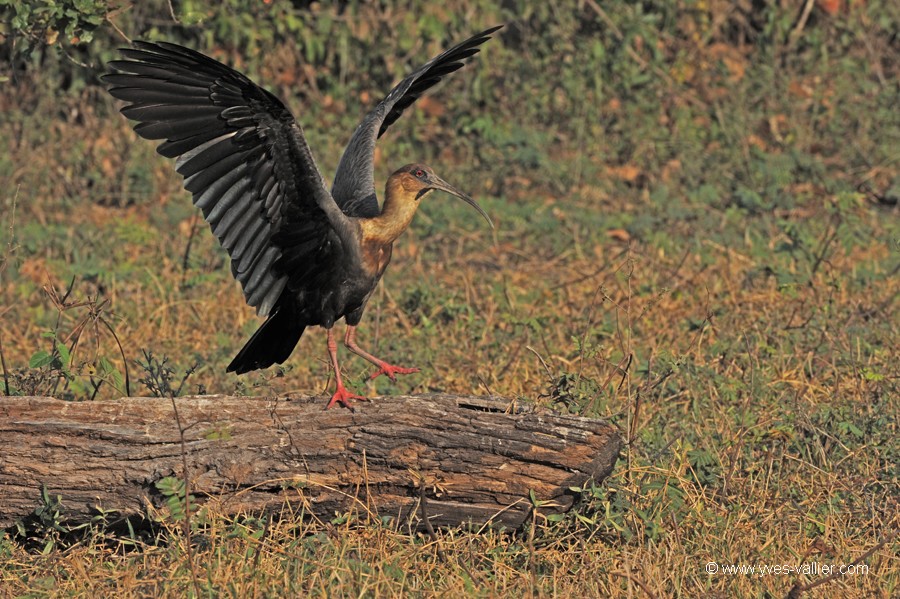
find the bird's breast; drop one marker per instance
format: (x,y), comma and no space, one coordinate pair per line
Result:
(376,257)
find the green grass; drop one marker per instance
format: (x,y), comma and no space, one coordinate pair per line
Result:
(697,239)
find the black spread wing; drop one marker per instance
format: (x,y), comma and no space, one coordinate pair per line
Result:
(354,183)
(244,159)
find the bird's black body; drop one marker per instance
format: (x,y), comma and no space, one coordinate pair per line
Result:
(298,251)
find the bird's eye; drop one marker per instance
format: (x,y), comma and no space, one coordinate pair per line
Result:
(420,173)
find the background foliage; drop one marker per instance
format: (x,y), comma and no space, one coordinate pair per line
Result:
(697,239)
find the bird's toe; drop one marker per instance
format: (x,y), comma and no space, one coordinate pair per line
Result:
(343,397)
(392,371)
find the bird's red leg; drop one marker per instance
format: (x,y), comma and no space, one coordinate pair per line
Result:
(341,395)
(383,367)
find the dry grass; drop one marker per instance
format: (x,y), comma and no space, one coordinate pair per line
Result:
(746,345)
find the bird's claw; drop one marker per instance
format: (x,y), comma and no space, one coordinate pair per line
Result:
(343,397)
(392,371)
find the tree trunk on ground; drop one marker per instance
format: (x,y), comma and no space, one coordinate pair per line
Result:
(472,459)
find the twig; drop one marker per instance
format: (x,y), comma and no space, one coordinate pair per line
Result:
(117,30)
(636,581)
(61,306)
(638,402)
(532,563)
(587,329)
(187,373)
(186,258)
(797,590)
(122,353)
(618,368)
(484,384)
(801,21)
(96,386)
(826,241)
(514,354)
(743,429)
(11,240)
(172,11)
(3,364)
(72,59)
(187,500)
(433,535)
(543,363)
(428,526)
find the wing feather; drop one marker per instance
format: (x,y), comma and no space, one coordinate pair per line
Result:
(207,199)
(231,205)
(262,290)
(268,301)
(207,156)
(178,148)
(354,182)
(170,112)
(250,235)
(243,157)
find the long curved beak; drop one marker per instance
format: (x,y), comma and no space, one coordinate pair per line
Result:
(435,182)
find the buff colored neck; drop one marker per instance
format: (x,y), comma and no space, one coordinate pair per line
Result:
(399,207)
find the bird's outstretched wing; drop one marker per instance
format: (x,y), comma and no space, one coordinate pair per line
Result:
(244,159)
(354,183)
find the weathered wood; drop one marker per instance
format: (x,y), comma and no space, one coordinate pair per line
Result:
(252,455)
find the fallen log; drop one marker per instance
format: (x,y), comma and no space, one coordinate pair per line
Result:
(470,459)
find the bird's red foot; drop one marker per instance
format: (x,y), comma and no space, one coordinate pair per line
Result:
(391,371)
(343,397)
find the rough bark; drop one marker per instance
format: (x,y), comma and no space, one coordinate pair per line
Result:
(473,459)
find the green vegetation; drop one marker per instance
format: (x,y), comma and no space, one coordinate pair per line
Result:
(697,240)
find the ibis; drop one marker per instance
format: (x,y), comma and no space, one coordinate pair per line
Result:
(303,255)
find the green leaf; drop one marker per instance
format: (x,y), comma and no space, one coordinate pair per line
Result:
(170,486)
(555,517)
(40,359)
(107,371)
(855,430)
(870,375)
(63,352)
(217,434)
(586,520)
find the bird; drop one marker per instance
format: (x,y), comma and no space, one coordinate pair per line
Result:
(303,255)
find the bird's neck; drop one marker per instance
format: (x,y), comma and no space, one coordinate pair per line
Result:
(397,212)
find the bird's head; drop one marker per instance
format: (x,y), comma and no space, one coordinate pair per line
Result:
(419,179)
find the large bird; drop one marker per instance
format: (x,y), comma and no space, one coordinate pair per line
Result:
(303,256)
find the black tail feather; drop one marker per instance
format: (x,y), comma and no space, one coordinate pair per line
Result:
(272,342)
